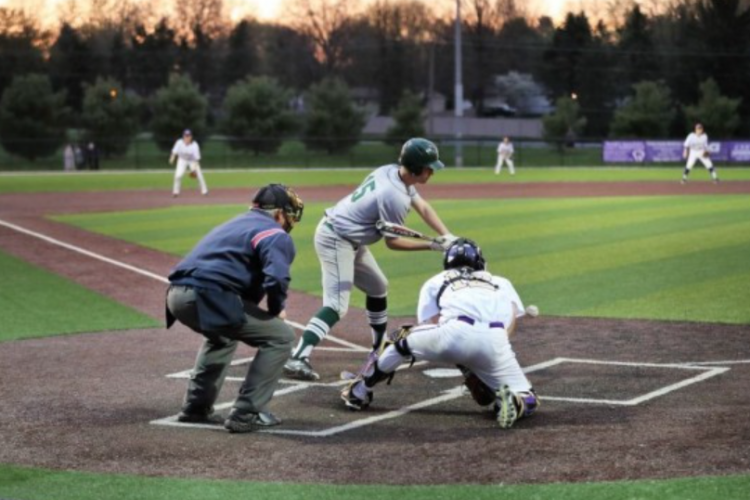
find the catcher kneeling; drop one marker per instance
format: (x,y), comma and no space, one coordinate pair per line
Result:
(466,315)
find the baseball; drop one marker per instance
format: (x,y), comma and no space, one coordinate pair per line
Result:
(532,311)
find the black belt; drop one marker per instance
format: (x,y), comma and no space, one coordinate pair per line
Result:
(471,321)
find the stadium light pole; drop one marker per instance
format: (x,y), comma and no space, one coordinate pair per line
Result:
(458,98)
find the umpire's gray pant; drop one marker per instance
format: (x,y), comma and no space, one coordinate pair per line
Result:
(271,335)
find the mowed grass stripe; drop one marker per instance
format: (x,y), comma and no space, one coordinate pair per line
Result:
(558,261)
(585,294)
(252,179)
(37,303)
(716,297)
(43,484)
(543,266)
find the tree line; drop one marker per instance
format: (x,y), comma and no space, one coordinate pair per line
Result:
(594,69)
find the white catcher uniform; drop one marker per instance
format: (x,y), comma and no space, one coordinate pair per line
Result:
(188,158)
(474,309)
(505,155)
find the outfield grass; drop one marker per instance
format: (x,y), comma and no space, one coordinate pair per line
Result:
(22,483)
(144,154)
(37,303)
(251,179)
(670,257)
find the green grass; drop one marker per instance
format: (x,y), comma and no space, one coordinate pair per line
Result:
(670,257)
(143,154)
(251,179)
(23,483)
(37,303)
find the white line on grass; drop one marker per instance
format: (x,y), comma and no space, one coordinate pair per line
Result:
(143,272)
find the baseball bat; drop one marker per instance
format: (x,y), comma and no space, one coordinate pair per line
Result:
(399,231)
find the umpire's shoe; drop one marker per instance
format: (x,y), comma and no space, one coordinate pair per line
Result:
(507,408)
(300,369)
(353,402)
(239,421)
(191,415)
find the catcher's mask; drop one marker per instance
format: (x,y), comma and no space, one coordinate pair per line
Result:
(464,253)
(418,154)
(279,196)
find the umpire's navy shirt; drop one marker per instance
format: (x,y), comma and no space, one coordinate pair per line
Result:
(249,255)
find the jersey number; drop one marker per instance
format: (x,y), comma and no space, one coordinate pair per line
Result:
(368,185)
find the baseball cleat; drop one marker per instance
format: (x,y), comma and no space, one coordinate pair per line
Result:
(353,402)
(192,416)
(300,369)
(683,181)
(716,181)
(507,413)
(238,421)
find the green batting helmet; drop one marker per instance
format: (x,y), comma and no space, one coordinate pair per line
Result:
(418,153)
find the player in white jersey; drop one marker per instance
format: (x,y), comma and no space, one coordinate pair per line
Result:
(344,234)
(505,155)
(465,314)
(696,148)
(187,153)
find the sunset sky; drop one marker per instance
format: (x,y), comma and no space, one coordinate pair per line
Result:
(49,10)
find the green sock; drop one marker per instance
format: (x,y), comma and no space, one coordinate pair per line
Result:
(316,330)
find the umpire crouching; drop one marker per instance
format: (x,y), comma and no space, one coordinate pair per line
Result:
(216,290)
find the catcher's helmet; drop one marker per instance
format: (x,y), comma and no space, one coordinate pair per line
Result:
(464,253)
(280,196)
(418,153)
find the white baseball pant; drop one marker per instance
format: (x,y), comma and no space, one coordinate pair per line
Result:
(499,166)
(483,350)
(693,156)
(179,173)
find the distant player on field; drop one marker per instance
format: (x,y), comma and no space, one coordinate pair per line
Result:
(505,155)
(187,153)
(696,148)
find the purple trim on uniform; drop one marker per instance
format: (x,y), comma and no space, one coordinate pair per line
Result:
(471,321)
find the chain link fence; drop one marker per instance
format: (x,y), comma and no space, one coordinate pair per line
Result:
(218,153)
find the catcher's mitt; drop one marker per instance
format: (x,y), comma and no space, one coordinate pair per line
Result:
(482,394)
(193,174)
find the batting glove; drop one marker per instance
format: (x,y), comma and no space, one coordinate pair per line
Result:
(436,245)
(446,240)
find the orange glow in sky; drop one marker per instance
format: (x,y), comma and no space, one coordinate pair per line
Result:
(265,10)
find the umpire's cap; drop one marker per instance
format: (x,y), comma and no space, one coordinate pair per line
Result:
(280,196)
(418,153)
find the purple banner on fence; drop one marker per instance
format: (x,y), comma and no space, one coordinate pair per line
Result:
(738,151)
(671,151)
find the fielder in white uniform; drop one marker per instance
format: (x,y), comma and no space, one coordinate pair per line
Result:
(473,311)
(505,155)
(344,234)
(188,155)
(696,148)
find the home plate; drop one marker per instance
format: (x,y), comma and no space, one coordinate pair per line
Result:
(442,372)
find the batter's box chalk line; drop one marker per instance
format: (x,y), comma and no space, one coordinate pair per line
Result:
(704,372)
